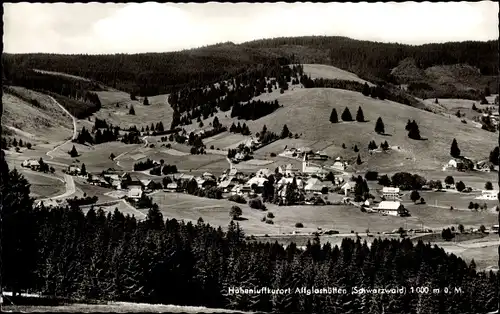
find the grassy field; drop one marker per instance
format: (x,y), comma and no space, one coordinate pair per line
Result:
(47,123)
(306,112)
(158,110)
(43,185)
(329,72)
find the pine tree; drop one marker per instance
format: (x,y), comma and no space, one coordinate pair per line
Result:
(285,132)
(356,149)
(83,170)
(454,150)
(73,153)
(146,101)
(358,160)
(494,156)
(360,116)
(346,115)
(333,116)
(131,110)
(414,132)
(366,89)
(379,126)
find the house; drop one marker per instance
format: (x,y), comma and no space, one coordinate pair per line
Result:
(264,173)
(233,172)
(208,183)
(289,170)
(485,166)
(185,177)
(227,184)
(347,188)
(339,164)
(74,170)
(147,184)
(257,183)
(135,192)
(208,175)
(319,155)
(172,187)
(390,193)
(31,163)
(311,168)
(490,195)
(494,228)
(314,185)
(392,208)
(284,181)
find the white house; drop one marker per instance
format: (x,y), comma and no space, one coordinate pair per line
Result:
(311,168)
(339,164)
(490,195)
(74,169)
(347,187)
(135,192)
(390,193)
(314,185)
(31,163)
(264,173)
(284,181)
(390,208)
(288,170)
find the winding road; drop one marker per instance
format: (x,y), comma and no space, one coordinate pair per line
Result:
(49,153)
(69,182)
(145,139)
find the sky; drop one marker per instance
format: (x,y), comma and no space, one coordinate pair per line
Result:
(97,28)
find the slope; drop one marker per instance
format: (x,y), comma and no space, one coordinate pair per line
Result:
(307,112)
(40,121)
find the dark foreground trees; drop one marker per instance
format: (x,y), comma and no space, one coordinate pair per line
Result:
(115,257)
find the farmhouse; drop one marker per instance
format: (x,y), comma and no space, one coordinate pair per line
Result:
(491,195)
(264,173)
(285,181)
(339,164)
(256,183)
(347,188)
(391,208)
(135,192)
(73,170)
(31,163)
(390,193)
(172,187)
(314,185)
(227,184)
(288,170)
(310,168)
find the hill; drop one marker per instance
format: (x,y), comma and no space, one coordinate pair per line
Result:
(306,112)
(34,116)
(159,73)
(443,81)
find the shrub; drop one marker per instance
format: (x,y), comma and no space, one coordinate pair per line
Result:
(270,215)
(324,190)
(460,186)
(235,212)
(273,154)
(237,199)
(371,176)
(256,203)
(269,221)
(263,219)
(299,225)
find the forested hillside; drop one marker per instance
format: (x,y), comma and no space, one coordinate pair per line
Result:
(157,73)
(75,95)
(63,252)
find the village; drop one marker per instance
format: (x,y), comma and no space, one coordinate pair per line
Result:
(313,184)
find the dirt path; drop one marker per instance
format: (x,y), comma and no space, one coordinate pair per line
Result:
(70,189)
(145,139)
(49,153)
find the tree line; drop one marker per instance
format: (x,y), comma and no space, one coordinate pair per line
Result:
(75,95)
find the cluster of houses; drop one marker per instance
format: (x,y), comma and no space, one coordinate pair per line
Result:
(307,154)
(463,163)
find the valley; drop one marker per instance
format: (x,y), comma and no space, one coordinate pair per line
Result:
(305,112)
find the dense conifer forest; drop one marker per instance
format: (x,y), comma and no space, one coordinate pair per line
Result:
(98,255)
(159,73)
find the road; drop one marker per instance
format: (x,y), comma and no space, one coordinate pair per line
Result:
(145,139)
(49,153)
(70,189)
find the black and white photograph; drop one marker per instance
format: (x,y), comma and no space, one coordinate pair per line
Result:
(250,158)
